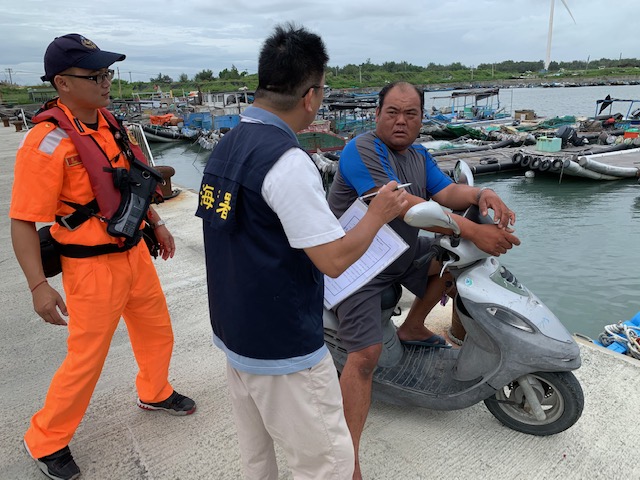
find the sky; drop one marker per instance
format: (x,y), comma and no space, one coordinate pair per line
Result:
(173,37)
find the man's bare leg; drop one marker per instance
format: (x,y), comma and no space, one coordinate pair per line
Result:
(355,382)
(413,328)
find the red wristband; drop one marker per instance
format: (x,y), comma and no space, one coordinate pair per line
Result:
(38,284)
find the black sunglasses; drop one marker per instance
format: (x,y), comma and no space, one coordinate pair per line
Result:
(312,87)
(99,78)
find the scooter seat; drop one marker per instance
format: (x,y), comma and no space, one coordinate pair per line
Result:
(391,296)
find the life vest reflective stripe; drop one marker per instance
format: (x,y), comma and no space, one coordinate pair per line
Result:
(49,143)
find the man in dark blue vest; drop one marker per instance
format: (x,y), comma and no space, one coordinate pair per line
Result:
(269,238)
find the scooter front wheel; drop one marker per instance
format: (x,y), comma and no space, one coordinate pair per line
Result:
(557,405)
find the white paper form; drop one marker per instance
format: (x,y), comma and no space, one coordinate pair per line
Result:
(385,248)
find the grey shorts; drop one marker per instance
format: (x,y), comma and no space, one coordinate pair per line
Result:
(360,314)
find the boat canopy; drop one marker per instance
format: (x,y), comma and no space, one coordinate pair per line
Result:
(608,102)
(477,93)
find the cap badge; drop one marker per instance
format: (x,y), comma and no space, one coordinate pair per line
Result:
(88,43)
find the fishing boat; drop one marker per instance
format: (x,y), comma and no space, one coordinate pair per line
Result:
(318,137)
(321,141)
(161,133)
(475,107)
(608,110)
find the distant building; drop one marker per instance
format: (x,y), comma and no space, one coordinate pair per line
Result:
(41,95)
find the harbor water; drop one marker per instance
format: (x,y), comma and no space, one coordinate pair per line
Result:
(580,249)
(557,102)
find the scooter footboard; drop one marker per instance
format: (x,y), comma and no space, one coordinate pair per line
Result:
(423,378)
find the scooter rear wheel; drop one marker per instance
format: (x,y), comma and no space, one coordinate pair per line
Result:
(559,394)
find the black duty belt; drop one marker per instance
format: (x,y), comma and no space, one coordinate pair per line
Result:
(85,251)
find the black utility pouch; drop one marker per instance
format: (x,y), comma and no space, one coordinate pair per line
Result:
(136,186)
(149,237)
(50,257)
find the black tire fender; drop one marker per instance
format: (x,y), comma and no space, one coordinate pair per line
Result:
(545,165)
(535,163)
(517,158)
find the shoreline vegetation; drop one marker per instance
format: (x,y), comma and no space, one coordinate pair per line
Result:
(368,77)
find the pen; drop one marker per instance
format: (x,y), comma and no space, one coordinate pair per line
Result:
(369,195)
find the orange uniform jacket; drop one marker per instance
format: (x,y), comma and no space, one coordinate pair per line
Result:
(48,170)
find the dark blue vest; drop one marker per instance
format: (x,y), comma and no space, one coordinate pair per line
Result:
(265,298)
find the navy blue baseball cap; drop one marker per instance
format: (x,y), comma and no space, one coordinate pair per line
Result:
(74,50)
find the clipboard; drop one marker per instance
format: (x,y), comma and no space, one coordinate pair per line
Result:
(386,247)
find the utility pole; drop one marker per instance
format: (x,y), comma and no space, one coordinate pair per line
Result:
(119,84)
(9,71)
(360,70)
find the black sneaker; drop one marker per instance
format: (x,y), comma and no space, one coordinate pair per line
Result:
(58,466)
(176,404)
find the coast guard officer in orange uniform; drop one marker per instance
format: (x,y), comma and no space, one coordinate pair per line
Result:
(52,167)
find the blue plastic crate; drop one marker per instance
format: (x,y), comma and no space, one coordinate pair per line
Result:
(545,144)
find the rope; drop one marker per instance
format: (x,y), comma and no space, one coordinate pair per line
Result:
(453,338)
(626,335)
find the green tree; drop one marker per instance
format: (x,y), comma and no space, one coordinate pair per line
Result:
(184,78)
(232,74)
(161,79)
(204,76)
(350,69)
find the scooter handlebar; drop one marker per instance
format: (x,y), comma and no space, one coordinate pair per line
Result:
(436,251)
(430,214)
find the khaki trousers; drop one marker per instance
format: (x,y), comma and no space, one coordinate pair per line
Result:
(302,412)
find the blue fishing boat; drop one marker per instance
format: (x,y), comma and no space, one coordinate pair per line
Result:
(476,106)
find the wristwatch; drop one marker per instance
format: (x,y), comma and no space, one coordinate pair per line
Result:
(480,193)
(159,223)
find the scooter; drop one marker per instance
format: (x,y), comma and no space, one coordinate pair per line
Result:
(516,356)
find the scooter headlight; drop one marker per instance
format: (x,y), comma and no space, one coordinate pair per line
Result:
(510,318)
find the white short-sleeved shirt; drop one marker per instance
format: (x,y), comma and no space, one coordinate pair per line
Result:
(293,189)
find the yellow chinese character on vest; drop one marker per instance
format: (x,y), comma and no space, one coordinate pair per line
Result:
(206,196)
(224,207)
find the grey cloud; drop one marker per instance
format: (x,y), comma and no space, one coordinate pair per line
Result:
(187,36)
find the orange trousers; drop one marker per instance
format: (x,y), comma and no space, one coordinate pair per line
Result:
(99,291)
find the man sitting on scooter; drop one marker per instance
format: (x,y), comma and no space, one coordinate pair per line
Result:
(368,162)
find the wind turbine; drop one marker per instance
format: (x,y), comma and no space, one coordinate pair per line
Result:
(548,59)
